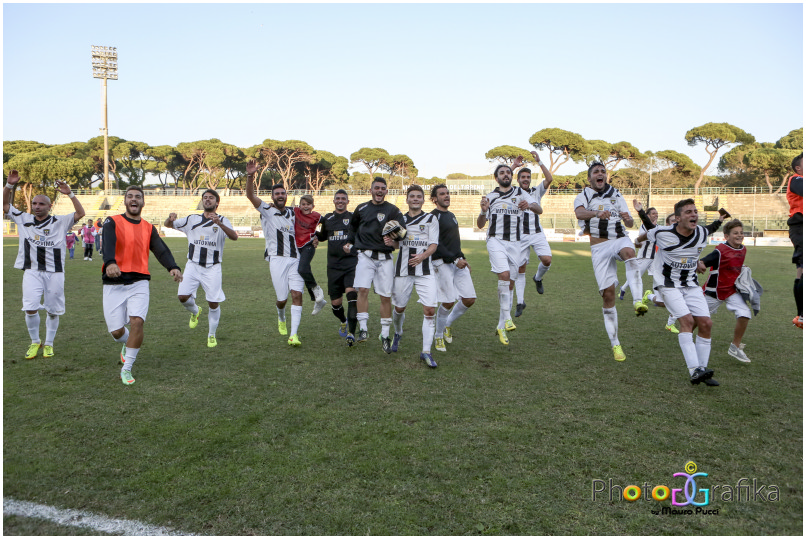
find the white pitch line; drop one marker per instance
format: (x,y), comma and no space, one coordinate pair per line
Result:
(83,519)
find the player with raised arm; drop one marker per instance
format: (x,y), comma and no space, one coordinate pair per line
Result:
(375,266)
(679,248)
(206,234)
(455,291)
(602,209)
(127,240)
(533,236)
(504,208)
(341,265)
(414,270)
(277,222)
(41,256)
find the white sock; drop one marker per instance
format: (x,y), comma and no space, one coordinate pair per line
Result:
(296,318)
(634,279)
(385,324)
(703,350)
(191,306)
(362,320)
(32,321)
(625,286)
(398,319)
(51,325)
(671,320)
(686,341)
(124,337)
(213,317)
(130,356)
(651,297)
(504,303)
(520,288)
(281,314)
(442,321)
(511,297)
(541,271)
(458,310)
(428,333)
(611,324)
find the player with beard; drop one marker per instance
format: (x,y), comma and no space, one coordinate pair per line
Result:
(42,248)
(504,208)
(375,266)
(533,236)
(455,291)
(206,234)
(602,209)
(277,222)
(127,240)
(340,265)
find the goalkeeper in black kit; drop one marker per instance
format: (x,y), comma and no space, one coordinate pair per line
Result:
(375,265)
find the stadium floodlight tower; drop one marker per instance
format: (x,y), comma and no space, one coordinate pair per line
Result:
(105,66)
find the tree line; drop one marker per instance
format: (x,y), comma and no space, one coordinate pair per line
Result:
(297,165)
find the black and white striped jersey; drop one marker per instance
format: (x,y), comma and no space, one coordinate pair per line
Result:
(678,255)
(646,249)
(421,232)
(608,200)
(205,238)
(531,221)
(43,244)
(278,229)
(506,219)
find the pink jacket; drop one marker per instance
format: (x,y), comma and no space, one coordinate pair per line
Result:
(86,233)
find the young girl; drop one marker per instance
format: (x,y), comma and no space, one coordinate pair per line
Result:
(88,235)
(305,222)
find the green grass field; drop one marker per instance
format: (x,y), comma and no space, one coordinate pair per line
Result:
(255,437)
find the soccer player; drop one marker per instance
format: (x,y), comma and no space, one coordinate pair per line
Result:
(127,240)
(206,234)
(455,291)
(533,236)
(679,248)
(725,263)
(794,195)
(375,266)
(42,248)
(281,252)
(340,265)
(413,269)
(602,208)
(504,208)
(305,222)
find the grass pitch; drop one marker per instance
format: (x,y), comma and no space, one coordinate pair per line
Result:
(256,437)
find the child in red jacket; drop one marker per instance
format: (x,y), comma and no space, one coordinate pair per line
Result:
(305,222)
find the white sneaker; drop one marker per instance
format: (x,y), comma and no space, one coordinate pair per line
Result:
(738,353)
(318,306)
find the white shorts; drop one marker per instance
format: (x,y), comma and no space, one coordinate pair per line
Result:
(426,286)
(378,273)
(604,257)
(284,276)
(209,278)
(504,256)
(735,304)
(452,283)
(122,302)
(682,301)
(36,284)
(536,242)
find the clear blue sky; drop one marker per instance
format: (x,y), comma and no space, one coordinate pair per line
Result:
(441,83)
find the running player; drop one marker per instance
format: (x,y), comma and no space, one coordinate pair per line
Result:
(679,248)
(413,269)
(277,222)
(42,248)
(206,234)
(504,208)
(127,240)
(602,208)
(455,291)
(533,236)
(375,266)
(341,265)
